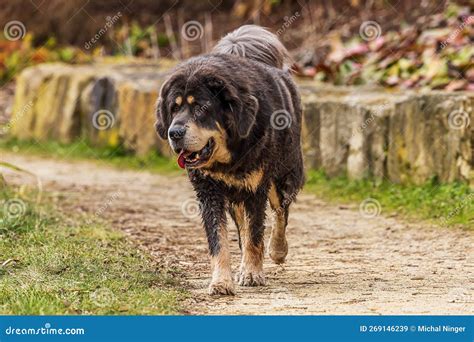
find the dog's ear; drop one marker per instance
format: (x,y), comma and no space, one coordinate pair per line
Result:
(162,112)
(245,119)
(241,107)
(160,126)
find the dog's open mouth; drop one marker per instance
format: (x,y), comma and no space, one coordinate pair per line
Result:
(196,158)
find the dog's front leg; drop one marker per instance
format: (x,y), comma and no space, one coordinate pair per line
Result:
(252,240)
(214,219)
(221,282)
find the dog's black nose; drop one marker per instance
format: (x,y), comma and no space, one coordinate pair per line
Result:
(177,133)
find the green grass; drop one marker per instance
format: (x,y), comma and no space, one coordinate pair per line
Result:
(444,204)
(117,156)
(52,263)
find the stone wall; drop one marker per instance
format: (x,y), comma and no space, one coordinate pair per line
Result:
(403,137)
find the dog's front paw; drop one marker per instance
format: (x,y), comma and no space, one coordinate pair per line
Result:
(222,288)
(247,278)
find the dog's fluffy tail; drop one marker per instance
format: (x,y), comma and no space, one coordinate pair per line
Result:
(256,43)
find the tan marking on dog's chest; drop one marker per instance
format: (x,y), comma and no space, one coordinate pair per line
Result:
(249,182)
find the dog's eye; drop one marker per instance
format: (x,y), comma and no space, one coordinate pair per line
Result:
(174,108)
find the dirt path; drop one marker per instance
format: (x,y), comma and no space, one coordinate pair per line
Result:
(339,262)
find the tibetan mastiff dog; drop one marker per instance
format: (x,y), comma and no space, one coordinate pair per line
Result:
(233,118)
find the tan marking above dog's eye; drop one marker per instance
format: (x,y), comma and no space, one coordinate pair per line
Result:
(190,99)
(179,100)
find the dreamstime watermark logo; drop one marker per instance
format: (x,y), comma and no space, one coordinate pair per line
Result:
(458,209)
(201,110)
(192,30)
(370,30)
(288,21)
(103,119)
(106,205)
(286,203)
(375,112)
(459,119)
(467,21)
(14,30)
(109,22)
(47,329)
(370,208)
(102,297)
(14,208)
(191,208)
(280,119)
(17,117)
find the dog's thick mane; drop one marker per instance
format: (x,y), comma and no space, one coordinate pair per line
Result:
(255,43)
(250,87)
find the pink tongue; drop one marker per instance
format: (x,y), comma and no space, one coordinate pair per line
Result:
(181,162)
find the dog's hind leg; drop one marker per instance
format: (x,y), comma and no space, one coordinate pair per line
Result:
(236,211)
(278,246)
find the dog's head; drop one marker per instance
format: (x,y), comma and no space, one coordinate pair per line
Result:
(204,113)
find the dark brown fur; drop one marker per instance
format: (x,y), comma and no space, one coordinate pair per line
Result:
(236,102)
